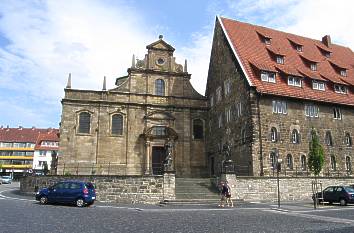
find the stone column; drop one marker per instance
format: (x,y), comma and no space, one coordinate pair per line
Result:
(169,186)
(148,159)
(231,180)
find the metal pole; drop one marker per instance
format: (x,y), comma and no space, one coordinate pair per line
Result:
(278,188)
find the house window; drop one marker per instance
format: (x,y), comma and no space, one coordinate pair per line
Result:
(198,129)
(340,89)
(348,139)
(348,163)
(228,115)
(299,48)
(311,110)
(295,137)
(289,161)
(316,85)
(117,124)
(42,152)
(267,40)
(294,81)
(238,109)
(337,113)
(243,135)
(273,159)
(273,134)
(84,122)
(211,101)
(218,94)
(333,163)
(343,73)
(268,76)
(227,87)
(328,139)
(160,87)
(303,162)
(313,66)
(279,107)
(159,130)
(220,121)
(280,59)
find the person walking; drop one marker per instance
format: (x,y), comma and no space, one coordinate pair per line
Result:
(229,202)
(223,193)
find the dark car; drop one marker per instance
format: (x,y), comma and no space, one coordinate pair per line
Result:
(70,192)
(341,194)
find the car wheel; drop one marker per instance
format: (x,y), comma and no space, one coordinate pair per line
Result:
(43,200)
(342,202)
(80,202)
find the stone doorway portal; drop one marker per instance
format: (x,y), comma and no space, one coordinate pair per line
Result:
(158,158)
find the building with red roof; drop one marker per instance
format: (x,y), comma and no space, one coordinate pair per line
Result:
(18,146)
(267,89)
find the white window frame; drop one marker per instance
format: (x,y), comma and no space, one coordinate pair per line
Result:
(313,66)
(294,81)
(341,89)
(337,114)
(211,101)
(274,134)
(295,136)
(348,139)
(317,85)
(343,72)
(218,94)
(267,40)
(228,114)
(220,121)
(227,87)
(280,59)
(280,107)
(311,110)
(348,166)
(303,162)
(268,76)
(333,163)
(299,48)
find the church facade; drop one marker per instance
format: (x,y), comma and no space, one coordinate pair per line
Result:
(129,130)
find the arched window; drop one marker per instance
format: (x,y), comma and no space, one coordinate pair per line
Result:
(295,137)
(273,134)
(348,164)
(198,129)
(333,163)
(303,162)
(289,161)
(328,139)
(84,122)
(117,124)
(273,159)
(348,139)
(160,87)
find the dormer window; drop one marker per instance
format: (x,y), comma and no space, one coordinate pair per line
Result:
(343,73)
(313,66)
(294,81)
(327,54)
(280,59)
(266,40)
(317,85)
(299,48)
(340,89)
(268,76)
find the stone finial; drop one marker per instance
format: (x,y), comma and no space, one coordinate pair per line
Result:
(185,66)
(160,37)
(104,84)
(68,85)
(133,61)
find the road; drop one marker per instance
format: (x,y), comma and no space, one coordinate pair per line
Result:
(20,213)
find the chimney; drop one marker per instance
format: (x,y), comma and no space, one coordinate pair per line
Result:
(326,40)
(20,127)
(68,85)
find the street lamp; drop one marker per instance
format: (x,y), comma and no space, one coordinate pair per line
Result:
(279,161)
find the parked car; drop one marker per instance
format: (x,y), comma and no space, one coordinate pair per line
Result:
(6,179)
(70,192)
(341,194)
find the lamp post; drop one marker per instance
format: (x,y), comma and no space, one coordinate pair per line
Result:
(279,161)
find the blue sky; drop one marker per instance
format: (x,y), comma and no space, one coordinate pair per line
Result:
(41,42)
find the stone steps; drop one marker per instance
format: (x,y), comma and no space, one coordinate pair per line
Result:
(195,189)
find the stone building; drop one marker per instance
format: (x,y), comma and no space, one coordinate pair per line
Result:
(129,130)
(267,89)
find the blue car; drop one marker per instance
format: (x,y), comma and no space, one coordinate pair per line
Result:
(70,192)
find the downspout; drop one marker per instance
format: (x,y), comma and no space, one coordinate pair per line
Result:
(260,137)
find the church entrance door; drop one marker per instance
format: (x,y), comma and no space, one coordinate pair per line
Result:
(158,157)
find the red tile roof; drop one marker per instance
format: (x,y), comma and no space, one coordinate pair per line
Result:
(23,134)
(254,55)
(50,136)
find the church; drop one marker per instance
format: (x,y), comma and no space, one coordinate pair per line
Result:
(153,112)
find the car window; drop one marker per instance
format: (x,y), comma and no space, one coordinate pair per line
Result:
(75,186)
(329,189)
(339,189)
(349,189)
(66,185)
(89,185)
(58,186)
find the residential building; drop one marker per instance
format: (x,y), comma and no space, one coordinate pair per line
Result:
(280,86)
(46,151)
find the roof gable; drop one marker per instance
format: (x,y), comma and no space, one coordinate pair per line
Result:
(160,45)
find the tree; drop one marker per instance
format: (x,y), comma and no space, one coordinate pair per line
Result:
(315,158)
(45,168)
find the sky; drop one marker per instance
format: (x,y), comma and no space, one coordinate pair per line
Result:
(42,41)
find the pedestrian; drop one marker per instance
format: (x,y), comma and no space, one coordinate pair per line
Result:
(223,193)
(228,195)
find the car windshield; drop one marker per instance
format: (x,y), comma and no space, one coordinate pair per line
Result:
(89,186)
(349,189)
(6,177)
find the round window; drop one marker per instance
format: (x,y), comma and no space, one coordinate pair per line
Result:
(160,61)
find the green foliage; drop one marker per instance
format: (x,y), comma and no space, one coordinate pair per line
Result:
(316,154)
(45,168)
(67,174)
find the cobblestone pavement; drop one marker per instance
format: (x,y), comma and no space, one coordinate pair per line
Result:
(21,213)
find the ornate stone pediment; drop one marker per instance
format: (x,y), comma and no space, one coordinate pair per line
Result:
(160,45)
